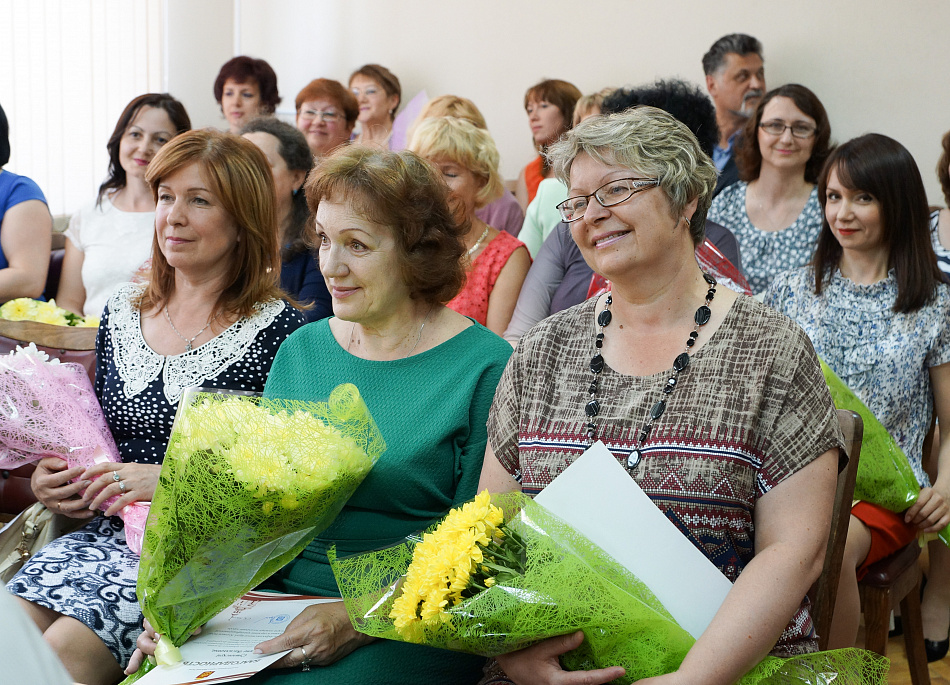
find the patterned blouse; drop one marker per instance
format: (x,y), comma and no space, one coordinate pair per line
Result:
(480,280)
(882,355)
(750,410)
(767,253)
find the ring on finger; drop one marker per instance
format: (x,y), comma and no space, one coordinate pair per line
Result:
(305,664)
(121,486)
(116,477)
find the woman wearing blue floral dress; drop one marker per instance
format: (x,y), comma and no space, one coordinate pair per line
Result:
(876,309)
(774,211)
(211,314)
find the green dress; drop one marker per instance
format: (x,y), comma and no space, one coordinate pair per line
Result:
(432,410)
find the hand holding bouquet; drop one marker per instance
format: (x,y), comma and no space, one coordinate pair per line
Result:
(245,485)
(495,577)
(48,409)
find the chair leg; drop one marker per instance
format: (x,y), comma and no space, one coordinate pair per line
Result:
(877,619)
(914,637)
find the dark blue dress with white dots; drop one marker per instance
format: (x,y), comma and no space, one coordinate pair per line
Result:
(90,574)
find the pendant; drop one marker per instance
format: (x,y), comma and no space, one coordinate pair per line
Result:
(634,459)
(188,347)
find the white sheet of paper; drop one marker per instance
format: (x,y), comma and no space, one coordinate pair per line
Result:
(223,651)
(598,497)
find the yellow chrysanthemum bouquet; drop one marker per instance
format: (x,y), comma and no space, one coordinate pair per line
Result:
(246,483)
(26,309)
(502,572)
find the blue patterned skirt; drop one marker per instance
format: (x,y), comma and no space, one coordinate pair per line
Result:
(88,575)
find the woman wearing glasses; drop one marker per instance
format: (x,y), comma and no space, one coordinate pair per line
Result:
(378,93)
(326,115)
(773,211)
(701,394)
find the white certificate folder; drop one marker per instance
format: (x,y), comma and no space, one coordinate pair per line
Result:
(598,497)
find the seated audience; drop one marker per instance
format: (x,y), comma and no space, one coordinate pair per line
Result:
(391,250)
(496,262)
(109,240)
(290,161)
(378,94)
(940,218)
(773,211)
(245,88)
(876,309)
(559,277)
(25,229)
(210,315)
(326,115)
(505,213)
(550,108)
(640,187)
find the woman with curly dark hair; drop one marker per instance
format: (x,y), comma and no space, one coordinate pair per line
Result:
(773,211)
(245,88)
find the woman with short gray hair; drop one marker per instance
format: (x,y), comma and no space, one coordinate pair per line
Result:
(715,405)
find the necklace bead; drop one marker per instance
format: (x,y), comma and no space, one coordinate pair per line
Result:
(592,408)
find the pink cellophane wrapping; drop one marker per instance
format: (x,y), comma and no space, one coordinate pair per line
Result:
(48,409)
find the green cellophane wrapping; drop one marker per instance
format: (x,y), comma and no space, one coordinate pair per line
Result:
(245,485)
(884,475)
(568,584)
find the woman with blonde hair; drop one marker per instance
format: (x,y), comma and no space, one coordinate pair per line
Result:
(212,314)
(504,213)
(497,262)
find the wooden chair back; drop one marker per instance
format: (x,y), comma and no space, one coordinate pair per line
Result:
(66,343)
(825,592)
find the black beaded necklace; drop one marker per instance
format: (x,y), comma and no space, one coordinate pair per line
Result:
(701,318)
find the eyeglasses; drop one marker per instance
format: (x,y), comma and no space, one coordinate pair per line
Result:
(369,90)
(328,115)
(777,127)
(610,194)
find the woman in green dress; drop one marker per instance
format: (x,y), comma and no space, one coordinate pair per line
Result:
(391,254)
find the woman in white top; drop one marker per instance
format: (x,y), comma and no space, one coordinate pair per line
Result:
(773,211)
(111,239)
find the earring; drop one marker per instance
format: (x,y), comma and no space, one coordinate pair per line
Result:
(687,222)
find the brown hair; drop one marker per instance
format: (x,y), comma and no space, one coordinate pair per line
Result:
(245,69)
(943,168)
(383,77)
(401,191)
(328,89)
(172,107)
(883,168)
(240,178)
(748,154)
(561,94)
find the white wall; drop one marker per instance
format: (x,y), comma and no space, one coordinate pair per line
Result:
(877,65)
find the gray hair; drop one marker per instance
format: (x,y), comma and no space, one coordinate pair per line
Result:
(652,143)
(739,43)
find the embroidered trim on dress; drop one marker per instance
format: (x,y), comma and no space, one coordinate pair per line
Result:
(139,365)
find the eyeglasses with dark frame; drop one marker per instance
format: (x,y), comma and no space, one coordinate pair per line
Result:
(800,129)
(610,194)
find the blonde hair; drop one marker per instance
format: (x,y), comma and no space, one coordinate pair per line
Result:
(240,178)
(590,104)
(453,106)
(650,142)
(463,143)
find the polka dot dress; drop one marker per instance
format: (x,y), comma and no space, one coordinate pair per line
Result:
(90,574)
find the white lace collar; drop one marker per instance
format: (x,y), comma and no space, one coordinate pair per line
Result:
(138,364)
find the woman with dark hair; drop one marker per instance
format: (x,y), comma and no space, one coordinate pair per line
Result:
(326,115)
(109,240)
(245,88)
(876,310)
(378,94)
(25,229)
(773,211)
(290,161)
(940,218)
(550,108)
(211,314)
